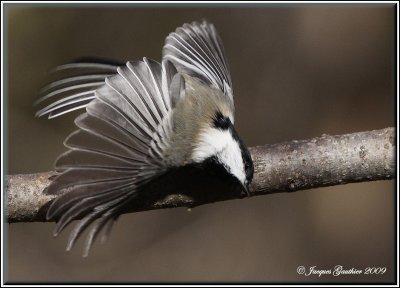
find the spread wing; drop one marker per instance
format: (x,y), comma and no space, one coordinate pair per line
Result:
(196,49)
(117,148)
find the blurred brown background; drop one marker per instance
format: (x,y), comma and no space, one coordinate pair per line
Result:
(298,72)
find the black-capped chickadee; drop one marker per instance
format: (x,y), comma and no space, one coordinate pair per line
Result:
(143,119)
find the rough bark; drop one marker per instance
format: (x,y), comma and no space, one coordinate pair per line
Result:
(284,167)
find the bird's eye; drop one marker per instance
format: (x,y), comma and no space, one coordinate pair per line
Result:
(221,122)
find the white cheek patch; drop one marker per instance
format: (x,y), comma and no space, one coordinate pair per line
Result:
(220,143)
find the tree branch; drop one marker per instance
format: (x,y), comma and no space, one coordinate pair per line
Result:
(283,167)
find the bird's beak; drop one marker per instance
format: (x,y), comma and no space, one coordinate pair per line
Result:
(245,187)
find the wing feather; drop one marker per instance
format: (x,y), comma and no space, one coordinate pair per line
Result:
(81,140)
(102,110)
(168,71)
(106,218)
(136,69)
(155,74)
(105,208)
(77,79)
(103,126)
(196,49)
(79,192)
(75,90)
(87,205)
(63,102)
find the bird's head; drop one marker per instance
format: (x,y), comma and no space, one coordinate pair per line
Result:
(219,144)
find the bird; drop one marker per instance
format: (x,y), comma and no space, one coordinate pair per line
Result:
(140,120)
